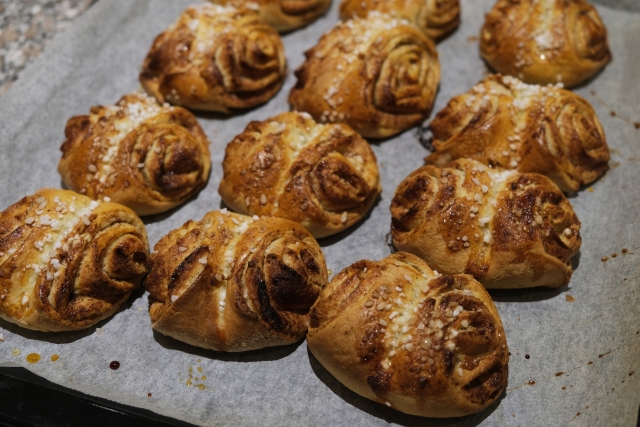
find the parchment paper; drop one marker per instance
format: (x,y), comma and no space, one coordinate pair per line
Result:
(594,341)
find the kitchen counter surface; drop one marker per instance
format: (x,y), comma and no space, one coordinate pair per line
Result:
(26,26)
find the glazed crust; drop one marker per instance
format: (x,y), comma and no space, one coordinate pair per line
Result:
(215,58)
(322,176)
(379,75)
(508,230)
(400,334)
(148,157)
(436,18)
(233,283)
(505,123)
(545,41)
(283,15)
(66,261)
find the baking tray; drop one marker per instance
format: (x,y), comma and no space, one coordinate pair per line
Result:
(589,330)
(28,400)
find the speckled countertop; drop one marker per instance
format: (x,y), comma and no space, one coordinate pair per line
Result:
(25,28)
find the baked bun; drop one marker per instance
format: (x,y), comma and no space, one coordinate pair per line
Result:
(148,157)
(323,176)
(233,283)
(215,58)
(505,123)
(379,75)
(66,261)
(507,229)
(545,41)
(436,18)
(401,334)
(283,15)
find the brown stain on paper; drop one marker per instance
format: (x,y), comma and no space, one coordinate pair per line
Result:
(614,113)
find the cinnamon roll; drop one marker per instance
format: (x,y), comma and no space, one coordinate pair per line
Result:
(283,15)
(215,58)
(399,333)
(545,41)
(436,18)
(143,155)
(505,123)
(66,261)
(507,229)
(379,75)
(234,283)
(322,176)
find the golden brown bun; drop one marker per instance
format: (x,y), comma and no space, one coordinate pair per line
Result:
(507,229)
(323,176)
(283,15)
(436,18)
(66,261)
(148,157)
(379,75)
(545,41)
(233,283)
(215,58)
(505,123)
(400,334)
